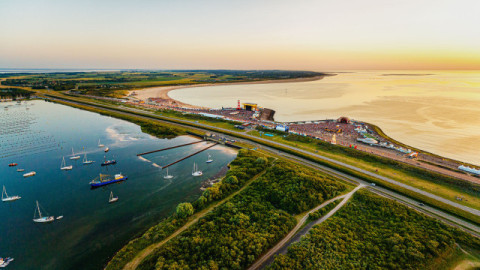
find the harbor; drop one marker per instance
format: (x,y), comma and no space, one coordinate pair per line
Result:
(86,226)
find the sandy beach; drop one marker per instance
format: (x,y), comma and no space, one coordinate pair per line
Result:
(162,91)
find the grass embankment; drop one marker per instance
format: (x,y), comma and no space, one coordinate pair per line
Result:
(243,168)
(445,207)
(237,232)
(435,183)
(374,232)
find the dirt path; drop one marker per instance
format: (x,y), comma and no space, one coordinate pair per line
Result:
(285,242)
(133,264)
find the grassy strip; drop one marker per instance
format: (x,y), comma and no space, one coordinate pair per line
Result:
(450,209)
(155,234)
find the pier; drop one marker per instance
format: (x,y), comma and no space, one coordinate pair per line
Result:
(175,162)
(168,148)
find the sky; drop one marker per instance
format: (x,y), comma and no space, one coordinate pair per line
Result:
(218,34)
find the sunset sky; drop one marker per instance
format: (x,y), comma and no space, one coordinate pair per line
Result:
(312,35)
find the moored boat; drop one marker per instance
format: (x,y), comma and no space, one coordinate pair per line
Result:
(108,162)
(86,161)
(74,156)
(20,170)
(104,180)
(100,145)
(12,164)
(29,174)
(107,149)
(196,171)
(5,261)
(63,165)
(6,198)
(168,176)
(209,159)
(112,199)
(41,218)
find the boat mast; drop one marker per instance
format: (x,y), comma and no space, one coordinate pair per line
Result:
(39,212)
(4,191)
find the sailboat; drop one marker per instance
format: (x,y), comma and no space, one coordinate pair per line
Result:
(99,144)
(209,159)
(196,171)
(7,198)
(106,149)
(112,199)
(64,166)
(168,176)
(86,161)
(74,156)
(41,219)
(5,262)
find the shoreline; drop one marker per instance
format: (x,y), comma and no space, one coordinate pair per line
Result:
(162,91)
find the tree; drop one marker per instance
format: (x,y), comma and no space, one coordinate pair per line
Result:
(184,210)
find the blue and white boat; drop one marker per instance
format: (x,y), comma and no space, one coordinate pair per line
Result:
(104,180)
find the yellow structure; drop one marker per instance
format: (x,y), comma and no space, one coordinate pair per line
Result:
(250,106)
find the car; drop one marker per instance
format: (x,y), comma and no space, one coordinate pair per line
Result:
(372,184)
(421,204)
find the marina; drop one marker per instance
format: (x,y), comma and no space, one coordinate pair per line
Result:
(79,214)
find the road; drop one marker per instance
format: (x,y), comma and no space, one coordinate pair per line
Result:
(474,229)
(287,240)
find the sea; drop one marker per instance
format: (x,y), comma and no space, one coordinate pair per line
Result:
(437,111)
(38,134)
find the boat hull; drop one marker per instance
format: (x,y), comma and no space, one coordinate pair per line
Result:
(109,163)
(113,181)
(11,199)
(44,220)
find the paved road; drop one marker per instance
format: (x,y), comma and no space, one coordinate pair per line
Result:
(287,240)
(412,203)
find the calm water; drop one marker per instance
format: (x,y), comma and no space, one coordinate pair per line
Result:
(436,111)
(92,229)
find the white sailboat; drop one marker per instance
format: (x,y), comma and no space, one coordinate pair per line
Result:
(64,166)
(86,161)
(6,198)
(100,145)
(41,218)
(74,156)
(106,149)
(196,171)
(112,199)
(209,159)
(168,176)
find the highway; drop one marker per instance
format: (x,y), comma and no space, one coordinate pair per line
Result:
(447,218)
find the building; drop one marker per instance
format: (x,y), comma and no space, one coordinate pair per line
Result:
(250,106)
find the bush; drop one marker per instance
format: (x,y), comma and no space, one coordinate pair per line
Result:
(184,210)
